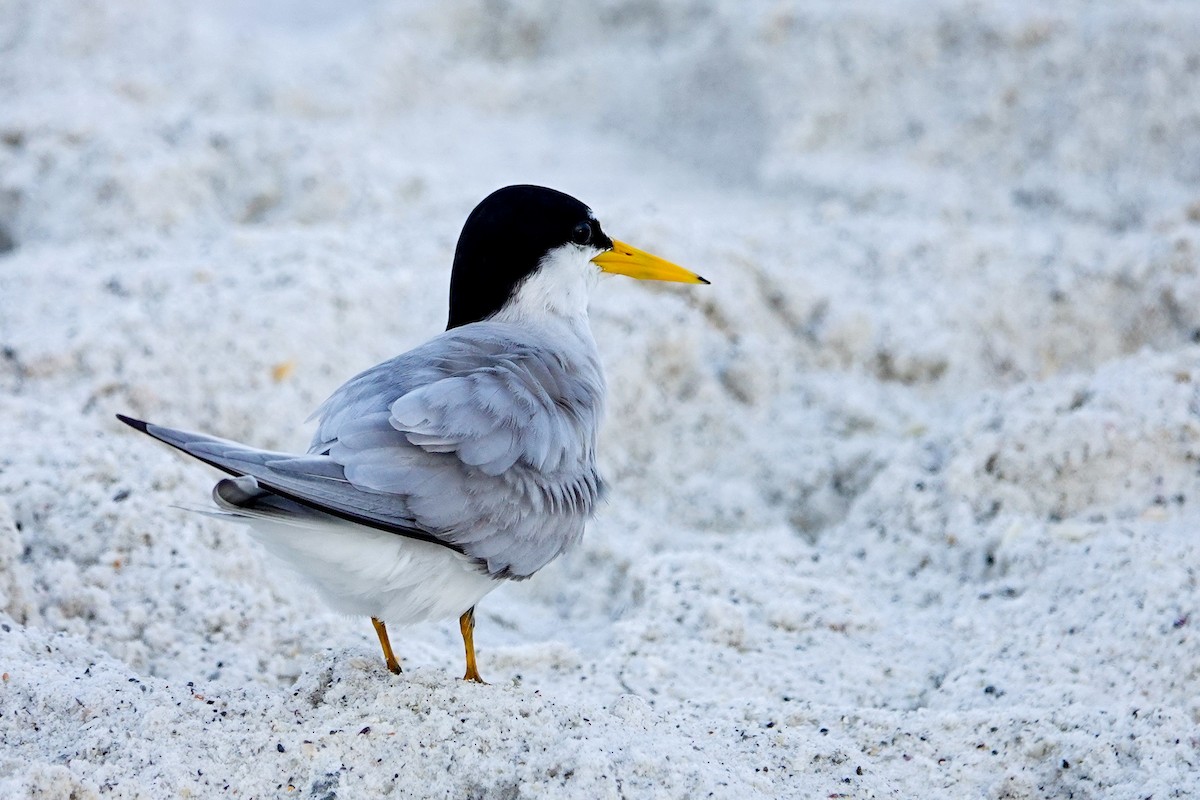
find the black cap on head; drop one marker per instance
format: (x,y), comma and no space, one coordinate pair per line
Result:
(503,241)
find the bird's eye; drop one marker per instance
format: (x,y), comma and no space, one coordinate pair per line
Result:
(582,234)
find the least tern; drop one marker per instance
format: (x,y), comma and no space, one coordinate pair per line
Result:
(465,462)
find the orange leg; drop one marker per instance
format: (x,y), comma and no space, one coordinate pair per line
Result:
(466,624)
(388,656)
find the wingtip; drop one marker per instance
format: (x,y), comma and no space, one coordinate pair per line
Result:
(134,423)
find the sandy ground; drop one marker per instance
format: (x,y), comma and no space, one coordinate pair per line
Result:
(904,505)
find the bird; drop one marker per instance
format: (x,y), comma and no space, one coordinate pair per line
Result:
(466,462)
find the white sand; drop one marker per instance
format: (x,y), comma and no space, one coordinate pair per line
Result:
(904,505)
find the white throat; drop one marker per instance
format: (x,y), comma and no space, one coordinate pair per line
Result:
(559,288)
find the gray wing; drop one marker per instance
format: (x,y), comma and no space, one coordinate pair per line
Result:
(488,443)
(475,441)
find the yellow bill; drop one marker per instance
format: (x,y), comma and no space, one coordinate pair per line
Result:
(624,259)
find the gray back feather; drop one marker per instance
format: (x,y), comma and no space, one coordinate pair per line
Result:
(484,437)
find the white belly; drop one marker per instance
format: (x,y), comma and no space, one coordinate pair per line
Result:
(363,571)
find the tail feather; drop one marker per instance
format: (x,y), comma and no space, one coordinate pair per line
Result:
(243,498)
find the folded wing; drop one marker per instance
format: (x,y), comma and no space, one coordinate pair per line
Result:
(475,441)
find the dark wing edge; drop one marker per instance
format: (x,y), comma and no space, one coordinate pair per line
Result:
(231,494)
